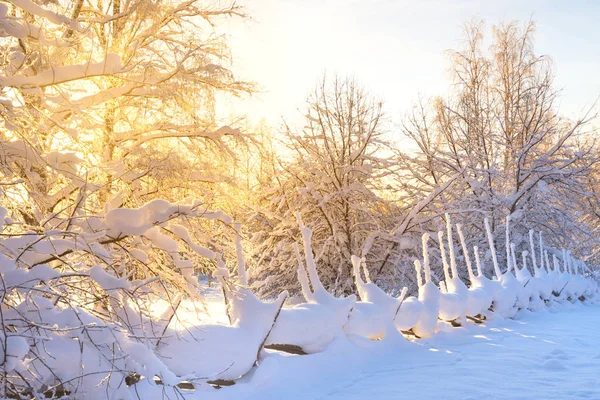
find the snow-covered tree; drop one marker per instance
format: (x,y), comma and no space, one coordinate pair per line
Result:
(113,98)
(501,131)
(106,108)
(337,178)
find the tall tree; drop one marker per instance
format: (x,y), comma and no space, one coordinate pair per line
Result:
(113,97)
(335,178)
(501,130)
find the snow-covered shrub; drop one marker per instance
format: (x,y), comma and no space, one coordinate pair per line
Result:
(86,292)
(340,183)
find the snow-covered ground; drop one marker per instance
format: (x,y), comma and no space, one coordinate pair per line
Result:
(544,355)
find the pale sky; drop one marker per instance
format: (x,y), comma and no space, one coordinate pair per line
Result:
(395,48)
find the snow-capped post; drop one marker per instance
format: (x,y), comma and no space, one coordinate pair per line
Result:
(308,256)
(556,264)
(570,263)
(490,238)
(366,270)
(356,264)
(477,261)
(546,257)
(426,267)
(443,255)
(418,271)
(303,277)
(429,297)
(465,250)
(541,252)
(513,256)
(451,247)
(239,251)
(443,287)
(533,258)
(507,244)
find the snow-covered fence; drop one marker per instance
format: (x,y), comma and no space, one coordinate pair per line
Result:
(310,327)
(71,295)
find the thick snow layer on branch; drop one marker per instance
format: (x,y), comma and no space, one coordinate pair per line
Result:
(32,249)
(6,264)
(182,233)
(16,349)
(64,160)
(3,213)
(107,281)
(61,74)
(57,19)
(135,221)
(28,278)
(160,240)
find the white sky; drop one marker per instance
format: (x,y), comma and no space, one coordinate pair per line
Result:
(395,48)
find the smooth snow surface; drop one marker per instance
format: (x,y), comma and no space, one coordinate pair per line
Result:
(544,355)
